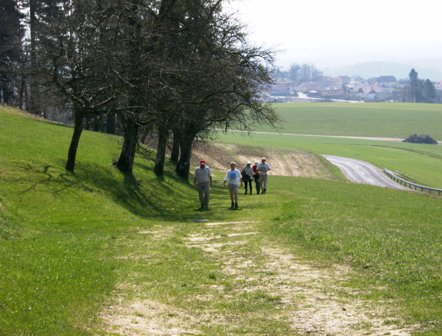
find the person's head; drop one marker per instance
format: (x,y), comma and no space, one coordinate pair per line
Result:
(202,164)
(232,165)
(263,160)
(256,163)
(248,163)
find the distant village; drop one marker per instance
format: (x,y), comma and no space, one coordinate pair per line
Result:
(346,88)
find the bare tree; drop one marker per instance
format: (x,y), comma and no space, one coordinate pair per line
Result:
(222,83)
(75,60)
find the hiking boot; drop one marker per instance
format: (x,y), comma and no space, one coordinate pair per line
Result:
(236,205)
(232,206)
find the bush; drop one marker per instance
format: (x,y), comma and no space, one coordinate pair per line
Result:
(421,138)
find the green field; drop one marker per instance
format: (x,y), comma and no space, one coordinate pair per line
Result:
(394,120)
(82,252)
(418,163)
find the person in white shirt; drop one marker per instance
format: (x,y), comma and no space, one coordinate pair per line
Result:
(263,169)
(233,178)
(202,180)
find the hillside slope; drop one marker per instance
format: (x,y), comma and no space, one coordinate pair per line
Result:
(100,253)
(58,230)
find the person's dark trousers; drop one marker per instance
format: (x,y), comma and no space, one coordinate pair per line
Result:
(249,184)
(257,185)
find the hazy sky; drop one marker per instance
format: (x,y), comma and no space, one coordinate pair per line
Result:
(337,32)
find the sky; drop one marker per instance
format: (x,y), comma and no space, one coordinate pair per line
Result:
(330,33)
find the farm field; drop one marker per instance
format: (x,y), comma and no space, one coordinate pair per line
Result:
(393,120)
(416,162)
(100,253)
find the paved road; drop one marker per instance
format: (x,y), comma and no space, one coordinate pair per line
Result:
(323,136)
(363,172)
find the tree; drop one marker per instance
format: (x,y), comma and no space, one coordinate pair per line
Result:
(421,91)
(145,25)
(300,73)
(429,91)
(221,87)
(75,59)
(11,33)
(414,85)
(294,73)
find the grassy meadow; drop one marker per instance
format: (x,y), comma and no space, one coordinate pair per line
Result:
(393,120)
(82,252)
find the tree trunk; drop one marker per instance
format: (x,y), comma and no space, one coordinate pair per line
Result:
(78,129)
(111,123)
(175,153)
(34,90)
(163,136)
(127,156)
(183,165)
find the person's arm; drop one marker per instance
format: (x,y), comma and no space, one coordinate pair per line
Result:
(210,178)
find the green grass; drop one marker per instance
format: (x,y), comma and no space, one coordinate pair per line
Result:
(58,230)
(393,239)
(71,245)
(416,162)
(397,120)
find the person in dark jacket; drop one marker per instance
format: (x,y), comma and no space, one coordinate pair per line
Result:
(256,177)
(247,177)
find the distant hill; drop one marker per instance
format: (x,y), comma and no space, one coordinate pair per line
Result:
(430,68)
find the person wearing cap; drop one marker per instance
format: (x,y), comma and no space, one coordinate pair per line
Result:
(256,177)
(263,169)
(247,176)
(233,178)
(202,180)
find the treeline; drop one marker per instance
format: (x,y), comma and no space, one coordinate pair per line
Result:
(421,91)
(299,73)
(174,69)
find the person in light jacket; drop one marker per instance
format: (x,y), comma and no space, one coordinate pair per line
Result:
(202,180)
(263,169)
(233,178)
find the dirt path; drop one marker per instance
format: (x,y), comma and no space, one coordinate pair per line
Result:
(307,299)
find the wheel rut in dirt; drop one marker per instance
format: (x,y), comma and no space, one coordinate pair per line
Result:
(302,298)
(308,296)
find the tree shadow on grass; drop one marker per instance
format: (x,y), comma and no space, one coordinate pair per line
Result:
(145,196)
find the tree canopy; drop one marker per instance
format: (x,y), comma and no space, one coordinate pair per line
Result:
(177,69)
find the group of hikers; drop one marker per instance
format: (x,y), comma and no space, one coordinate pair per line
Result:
(234,179)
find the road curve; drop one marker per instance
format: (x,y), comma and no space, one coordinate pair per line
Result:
(363,172)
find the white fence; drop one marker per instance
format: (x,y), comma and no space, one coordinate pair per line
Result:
(411,185)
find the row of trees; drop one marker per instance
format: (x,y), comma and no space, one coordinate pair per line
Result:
(299,73)
(173,68)
(421,91)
